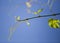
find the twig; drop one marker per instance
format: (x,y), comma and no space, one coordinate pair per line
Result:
(39,17)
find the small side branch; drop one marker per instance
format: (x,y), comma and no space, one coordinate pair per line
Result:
(39,17)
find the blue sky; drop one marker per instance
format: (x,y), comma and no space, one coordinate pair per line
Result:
(37,32)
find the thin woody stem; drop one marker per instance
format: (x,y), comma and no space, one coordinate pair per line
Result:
(39,17)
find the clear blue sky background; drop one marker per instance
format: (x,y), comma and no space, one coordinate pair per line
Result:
(38,32)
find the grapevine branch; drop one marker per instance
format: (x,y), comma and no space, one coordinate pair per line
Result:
(39,17)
